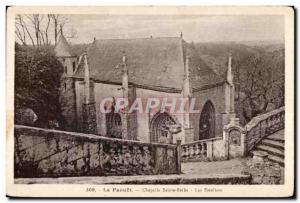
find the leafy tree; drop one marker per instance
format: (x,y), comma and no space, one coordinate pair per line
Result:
(37,82)
(260,79)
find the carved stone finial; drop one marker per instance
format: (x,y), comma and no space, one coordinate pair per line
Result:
(86,80)
(229,69)
(124,57)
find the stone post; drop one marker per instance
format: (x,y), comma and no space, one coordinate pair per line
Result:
(187,93)
(209,149)
(178,150)
(89,118)
(234,139)
(88,106)
(125,89)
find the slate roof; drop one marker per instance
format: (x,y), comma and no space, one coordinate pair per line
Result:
(62,48)
(151,62)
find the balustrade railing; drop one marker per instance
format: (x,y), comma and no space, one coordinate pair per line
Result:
(264,125)
(201,150)
(236,140)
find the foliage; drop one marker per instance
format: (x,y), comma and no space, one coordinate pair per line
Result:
(258,73)
(37,81)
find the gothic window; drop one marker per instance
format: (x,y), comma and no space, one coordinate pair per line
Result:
(66,70)
(160,127)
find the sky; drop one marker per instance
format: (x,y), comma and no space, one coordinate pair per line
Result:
(194,28)
(197,28)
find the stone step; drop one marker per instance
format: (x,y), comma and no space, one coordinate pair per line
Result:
(276,159)
(275,137)
(273,143)
(270,150)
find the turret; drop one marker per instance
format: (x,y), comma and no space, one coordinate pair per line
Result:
(66,56)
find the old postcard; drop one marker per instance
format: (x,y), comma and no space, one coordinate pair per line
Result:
(150,101)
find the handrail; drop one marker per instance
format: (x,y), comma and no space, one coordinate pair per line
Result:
(263,125)
(200,141)
(91,136)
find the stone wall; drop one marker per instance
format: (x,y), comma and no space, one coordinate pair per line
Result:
(51,153)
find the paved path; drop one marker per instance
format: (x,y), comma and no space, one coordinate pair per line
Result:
(145,179)
(233,166)
(221,172)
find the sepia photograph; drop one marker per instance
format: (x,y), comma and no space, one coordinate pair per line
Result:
(150,101)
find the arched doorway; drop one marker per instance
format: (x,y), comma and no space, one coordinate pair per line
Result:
(114,125)
(207,122)
(160,125)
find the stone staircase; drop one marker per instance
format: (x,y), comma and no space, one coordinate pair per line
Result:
(274,146)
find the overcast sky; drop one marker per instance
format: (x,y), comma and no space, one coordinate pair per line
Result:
(194,28)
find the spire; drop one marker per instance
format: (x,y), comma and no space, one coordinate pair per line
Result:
(62,48)
(186,82)
(86,80)
(125,74)
(229,70)
(181,35)
(61,30)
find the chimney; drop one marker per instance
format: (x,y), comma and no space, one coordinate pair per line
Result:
(229,70)
(86,80)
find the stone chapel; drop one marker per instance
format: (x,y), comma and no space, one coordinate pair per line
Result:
(143,68)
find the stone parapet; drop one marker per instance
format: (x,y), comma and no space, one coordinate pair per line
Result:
(52,153)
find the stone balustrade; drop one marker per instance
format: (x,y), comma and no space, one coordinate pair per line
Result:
(201,150)
(237,141)
(263,125)
(52,153)
(240,140)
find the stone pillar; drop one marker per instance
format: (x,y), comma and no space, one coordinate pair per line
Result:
(187,93)
(209,149)
(234,139)
(178,150)
(129,121)
(88,106)
(229,70)
(89,118)
(231,84)
(67,100)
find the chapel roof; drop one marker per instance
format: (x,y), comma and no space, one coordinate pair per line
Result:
(151,62)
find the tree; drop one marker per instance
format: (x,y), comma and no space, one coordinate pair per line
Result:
(261,82)
(37,82)
(40,28)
